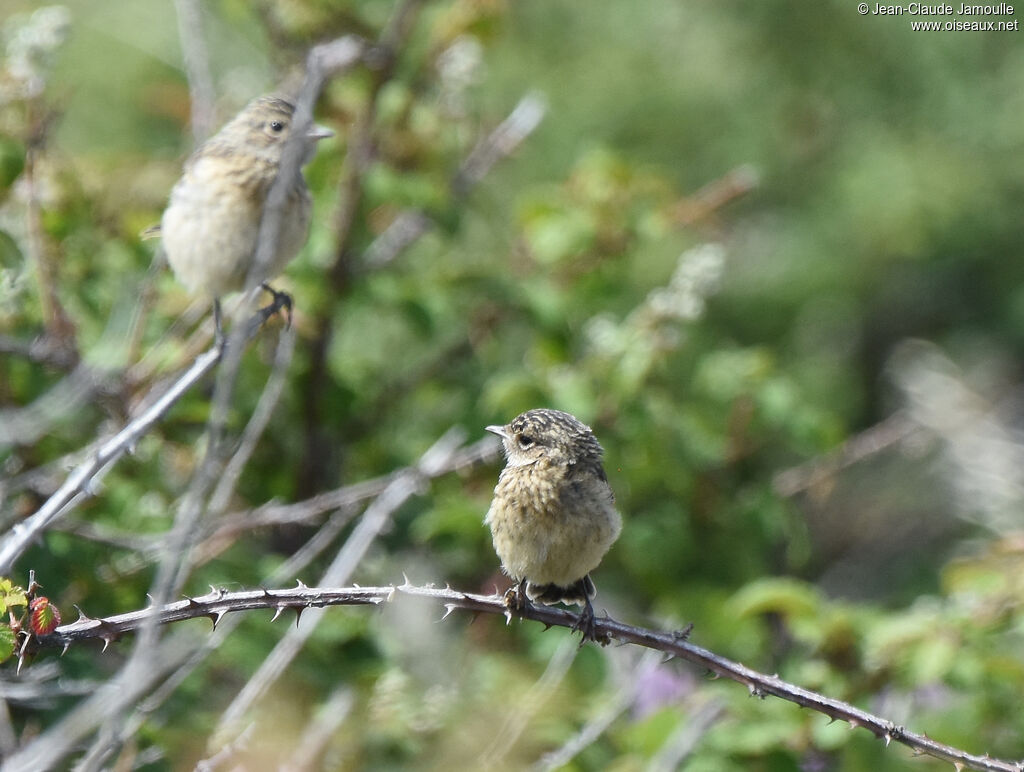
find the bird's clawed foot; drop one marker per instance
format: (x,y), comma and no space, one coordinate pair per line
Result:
(515,596)
(587,628)
(281,301)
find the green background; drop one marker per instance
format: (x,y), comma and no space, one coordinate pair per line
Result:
(869,285)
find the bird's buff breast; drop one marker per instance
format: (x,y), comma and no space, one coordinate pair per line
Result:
(211,225)
(551,531)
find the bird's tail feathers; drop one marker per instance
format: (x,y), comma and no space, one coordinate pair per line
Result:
(578,592)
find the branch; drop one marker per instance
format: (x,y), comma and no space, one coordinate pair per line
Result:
(257,424)
(27,425)
(56,322)
(412,224)
(681,743)
(308,511)
(598,725)
(500,143)
(376,517)
(520,716)
(197,67)
(78,484)
(320,731)
(46,750)
(81,482)
(893,430)
(215,604)
(716,194)
(43,350)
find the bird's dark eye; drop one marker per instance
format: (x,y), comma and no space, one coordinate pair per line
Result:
(526,440)
(276,126)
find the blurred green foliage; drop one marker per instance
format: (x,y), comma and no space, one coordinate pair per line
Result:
(711,347)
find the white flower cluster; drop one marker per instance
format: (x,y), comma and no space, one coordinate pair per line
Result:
(697,275)
(459,66)
(30,42)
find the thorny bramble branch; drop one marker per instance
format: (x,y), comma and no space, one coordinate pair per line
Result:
(215,604)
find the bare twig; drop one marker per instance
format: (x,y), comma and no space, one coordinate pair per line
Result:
(77,485)
(144,666)
(324,536)
(681,743)
(500,143)
(323,61)
(295,564)
(381,57)
(41,481)
(893,430)
(48,749)
(716,194)
(197,67)
(56,321)
(216,604)
(320,731)
(44,684)
(42,350)
(226,753)
(308,512)
(257,423)
(524,710)
(374,520)
(146,544)
(26,425)
(8,736)
(411,225)
(597,726)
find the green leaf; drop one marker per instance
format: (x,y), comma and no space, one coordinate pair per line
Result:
(8,641)
(789,597)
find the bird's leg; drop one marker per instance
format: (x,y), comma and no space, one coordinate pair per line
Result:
(281,301)
(515,596)
(585,623)
(218,325)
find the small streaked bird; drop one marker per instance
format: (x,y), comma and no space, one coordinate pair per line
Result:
(212,220)
(553,516)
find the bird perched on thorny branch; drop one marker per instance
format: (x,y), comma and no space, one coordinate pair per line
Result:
(211,225)
(553,515)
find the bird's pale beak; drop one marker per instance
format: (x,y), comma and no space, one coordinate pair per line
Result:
(499,430)
(317,133)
